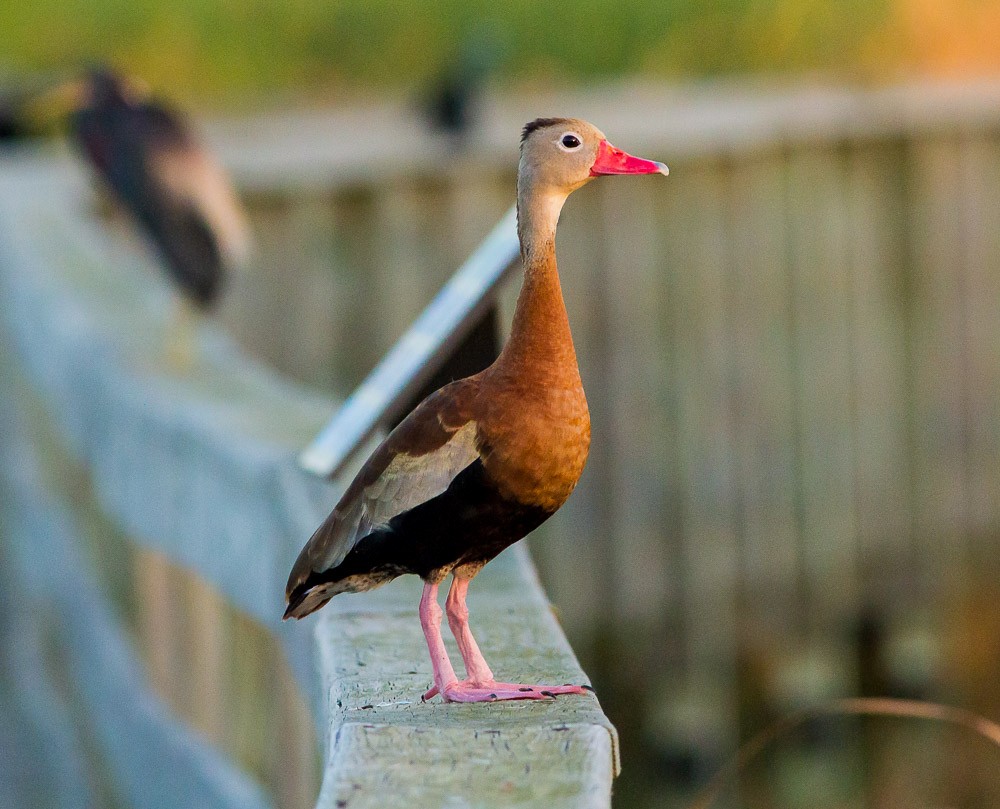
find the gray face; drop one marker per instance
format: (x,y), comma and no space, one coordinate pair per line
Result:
(557,158)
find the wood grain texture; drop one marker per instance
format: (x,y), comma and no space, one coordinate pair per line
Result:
(386,747)
(821,318)
(763,406)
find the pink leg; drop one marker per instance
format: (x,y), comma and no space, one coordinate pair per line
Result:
(458,619)
(430,620)
(480,685)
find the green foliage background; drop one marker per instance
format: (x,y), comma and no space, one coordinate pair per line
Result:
(235,51)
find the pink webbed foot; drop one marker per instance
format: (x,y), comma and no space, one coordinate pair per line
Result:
(480,685)
(467,691)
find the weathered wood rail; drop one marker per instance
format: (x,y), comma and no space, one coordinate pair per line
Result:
(198,467)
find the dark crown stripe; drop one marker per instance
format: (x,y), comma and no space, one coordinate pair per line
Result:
(540,123)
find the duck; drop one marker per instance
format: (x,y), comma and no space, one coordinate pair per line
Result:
(147,155)
(484,460)
(453,103)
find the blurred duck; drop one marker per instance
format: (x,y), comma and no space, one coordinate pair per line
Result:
(486,459)
(453,99)
(148,157)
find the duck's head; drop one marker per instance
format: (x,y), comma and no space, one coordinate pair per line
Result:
(558,155)
(102,87)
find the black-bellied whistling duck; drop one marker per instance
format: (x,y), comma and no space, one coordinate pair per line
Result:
(147,155)
(486,459)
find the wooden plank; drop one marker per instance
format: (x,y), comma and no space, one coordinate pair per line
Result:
(824,404)
(290,304)
(708,557)
(764,396)
(205,629)
(628,552)
(355,261)
(158,622)
(667,378)
(404,257)
(250,734)
(634,462)
(665,372)
(309,296)
(470,207)
(706,425)
(879,356)
(254,304)
(940,370)
(474,199)
(979,180)
(296,759)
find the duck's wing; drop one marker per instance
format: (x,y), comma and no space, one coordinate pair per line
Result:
(417,461)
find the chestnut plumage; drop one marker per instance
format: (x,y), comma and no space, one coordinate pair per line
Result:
(486,459)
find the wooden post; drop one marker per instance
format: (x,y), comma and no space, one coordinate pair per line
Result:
(940,372)
(158,621)
(764,397)
(824,405)
(206,630)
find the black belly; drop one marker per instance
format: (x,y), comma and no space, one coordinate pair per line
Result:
(468,524)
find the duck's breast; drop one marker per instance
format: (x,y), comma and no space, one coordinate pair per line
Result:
(535,441)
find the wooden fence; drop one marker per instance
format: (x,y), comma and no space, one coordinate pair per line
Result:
(791,349)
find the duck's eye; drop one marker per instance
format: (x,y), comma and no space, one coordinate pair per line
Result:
(569,141)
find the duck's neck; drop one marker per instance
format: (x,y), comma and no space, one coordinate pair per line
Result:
(540,342)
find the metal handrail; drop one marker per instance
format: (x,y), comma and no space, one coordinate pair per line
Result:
(419,353)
